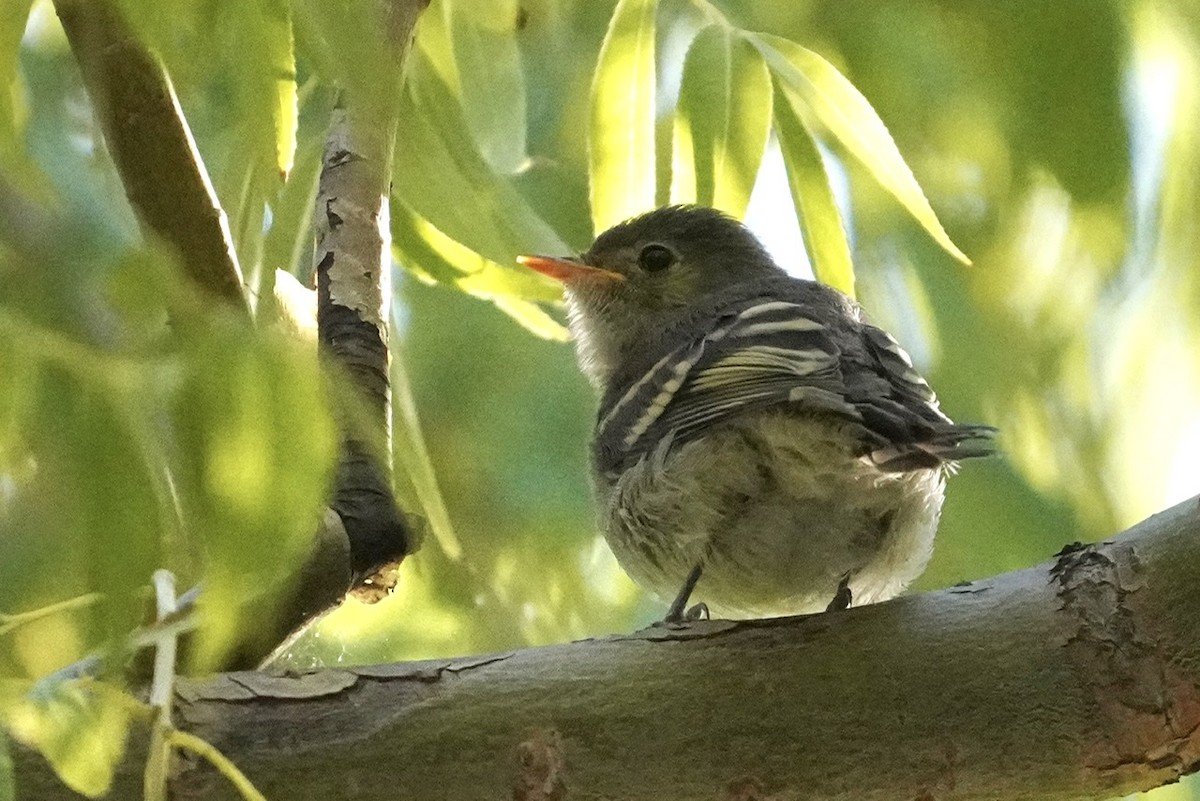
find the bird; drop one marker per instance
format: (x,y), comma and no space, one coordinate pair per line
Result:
(759,443)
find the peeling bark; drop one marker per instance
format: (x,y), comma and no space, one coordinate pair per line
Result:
(353,272)
(1073,680)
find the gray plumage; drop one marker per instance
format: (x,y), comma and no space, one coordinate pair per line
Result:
(752,425)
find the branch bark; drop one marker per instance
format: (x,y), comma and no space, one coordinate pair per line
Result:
(1078,679)
(151,146)
(353,269)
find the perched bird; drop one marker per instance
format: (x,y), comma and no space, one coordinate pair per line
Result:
(758,441)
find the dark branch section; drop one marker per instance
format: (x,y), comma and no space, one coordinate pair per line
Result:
(363,498)
(160,169)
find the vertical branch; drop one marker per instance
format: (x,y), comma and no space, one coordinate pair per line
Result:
(353,269)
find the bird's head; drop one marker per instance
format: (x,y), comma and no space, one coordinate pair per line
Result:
(638,275)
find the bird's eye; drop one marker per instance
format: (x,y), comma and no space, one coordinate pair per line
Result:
(654,258)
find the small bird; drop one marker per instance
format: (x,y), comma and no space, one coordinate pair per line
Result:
(758,441)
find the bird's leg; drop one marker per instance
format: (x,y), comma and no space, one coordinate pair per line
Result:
(843,596)
(675,613)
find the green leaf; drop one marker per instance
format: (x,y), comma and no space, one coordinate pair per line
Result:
(621,131)
(413,455)
(280,61)
(257,444)
(816,209)
(13,14)
(722,122)
(491,82)
(440,174)
(78,725)
(431,255)
(287,244)
(824,97)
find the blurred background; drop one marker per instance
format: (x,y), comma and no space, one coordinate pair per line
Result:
(1059,143)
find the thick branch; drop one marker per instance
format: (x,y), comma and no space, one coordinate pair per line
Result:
(151,146)
(1074,680)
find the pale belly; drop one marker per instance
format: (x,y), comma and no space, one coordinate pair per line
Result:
(777,510)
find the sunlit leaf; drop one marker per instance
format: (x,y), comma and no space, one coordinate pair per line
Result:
(816,208)
(824,97)
(428,253)
(257,443)
(288,242)
(440,174)
(722,122)
(491,83)
(78,725)
(280,58)
(427,249)
(621,131)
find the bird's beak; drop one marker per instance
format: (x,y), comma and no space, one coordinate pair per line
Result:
(567,270)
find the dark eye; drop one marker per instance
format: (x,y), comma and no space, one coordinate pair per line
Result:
(654,258)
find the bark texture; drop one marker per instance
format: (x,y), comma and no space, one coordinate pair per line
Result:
(1078,679)
(353,269)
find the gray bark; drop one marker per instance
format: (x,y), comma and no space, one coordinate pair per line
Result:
(1077,679)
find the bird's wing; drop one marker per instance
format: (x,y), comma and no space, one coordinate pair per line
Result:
(768,352)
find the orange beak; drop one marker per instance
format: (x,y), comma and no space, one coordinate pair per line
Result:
(567,270)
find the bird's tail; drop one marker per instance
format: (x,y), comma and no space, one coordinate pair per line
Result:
(945,446)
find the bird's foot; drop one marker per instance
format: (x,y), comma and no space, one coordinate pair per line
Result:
(843,597)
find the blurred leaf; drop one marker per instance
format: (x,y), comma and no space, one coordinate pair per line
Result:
(78,725)
(288,242)
(822,95)
(533,318)
(346,42)
(13,14)
(280,63)
(621,132)
(440,174)
(491,83)
(413,454)
(8,787)
(722,122)
(256,446)
(96,489)
(816,208)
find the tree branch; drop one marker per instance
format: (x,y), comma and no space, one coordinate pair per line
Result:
(353,269)
(1077,679)
(151,146)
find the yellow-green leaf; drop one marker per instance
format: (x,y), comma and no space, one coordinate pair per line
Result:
(820,220)
(281,57)
(78,725)
(621,133)
(441,174)
(824,96)
(722,122)
(432,255)
(492,86)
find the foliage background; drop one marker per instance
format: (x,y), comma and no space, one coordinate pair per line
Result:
(1057,142)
